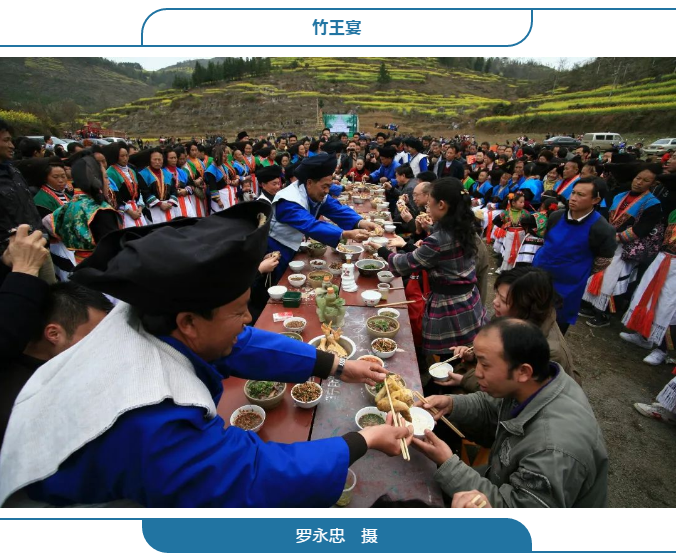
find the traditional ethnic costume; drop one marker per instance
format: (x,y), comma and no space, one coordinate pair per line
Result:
(184,206)
(250,162)
(566,186)
(128,194)
(533,240)
(625,214)
(652,308)
(158,186)
(509,235)
(295,215)
(90,428)
(51,199)
(219,180)
(47,201)
(196,169)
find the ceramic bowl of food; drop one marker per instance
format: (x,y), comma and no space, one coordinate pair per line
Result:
(389,312)
(369,417)
(382,206)
(292,335)
(370,268)
(421,420)
(297,266)
(306,395)
(297,280)
(353,250)
(358,200)
(384,348)
(347,344)
(266,394)
(317,264)
(380,241)
(316,249)
(277,292)
(382,327)
(440,372)
(372,359)
(316,278)
(335,268)
(371,297)
(379,221)
(385,276)
(295,324)
(249,417)
(389,228)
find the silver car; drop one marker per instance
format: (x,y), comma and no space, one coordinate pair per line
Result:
(661,146)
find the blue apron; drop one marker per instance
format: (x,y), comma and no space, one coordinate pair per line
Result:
(566,255)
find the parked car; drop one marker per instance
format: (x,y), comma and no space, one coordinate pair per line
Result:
(567,142)
(661,146)
(114,139)
(602,140)
(55,140)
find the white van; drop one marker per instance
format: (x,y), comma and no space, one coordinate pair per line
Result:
(602,140)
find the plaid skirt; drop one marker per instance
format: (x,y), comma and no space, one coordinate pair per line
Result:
(451,321)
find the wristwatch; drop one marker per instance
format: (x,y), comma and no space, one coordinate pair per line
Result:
(340,368)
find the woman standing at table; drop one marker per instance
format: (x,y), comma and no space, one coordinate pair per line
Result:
(454,312)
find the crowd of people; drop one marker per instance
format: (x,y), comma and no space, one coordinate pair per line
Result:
(119,402)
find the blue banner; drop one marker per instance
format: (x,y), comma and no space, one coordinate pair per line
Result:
(337,535)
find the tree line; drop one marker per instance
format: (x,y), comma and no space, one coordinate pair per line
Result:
(228,69)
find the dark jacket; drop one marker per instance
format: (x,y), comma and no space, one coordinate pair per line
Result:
(16,203)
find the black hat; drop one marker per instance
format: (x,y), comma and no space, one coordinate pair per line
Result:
(387,152)
(112,152)
(414,143)
(241,135)
(34,170)
(268,173)
(316,167)
(149,267)
(141,159)
(333,147)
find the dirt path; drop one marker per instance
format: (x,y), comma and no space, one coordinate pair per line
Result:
(641,450)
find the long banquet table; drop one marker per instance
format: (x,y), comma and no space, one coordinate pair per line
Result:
(377,474)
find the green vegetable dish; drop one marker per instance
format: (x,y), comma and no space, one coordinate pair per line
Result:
(262,390)
(370,420)
(382,325)
(371,266)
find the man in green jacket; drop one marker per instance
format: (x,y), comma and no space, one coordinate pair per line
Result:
(547,449)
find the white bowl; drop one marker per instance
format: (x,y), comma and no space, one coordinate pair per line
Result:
(385,276)
(381,241)
(421,420)
(297,265)
(371,297)
(277,292)
(384,355)
(383,311)
(345,342)
(355,251)
(294,329)
(317,264)
(307,405)
(441,372)
(297,279)
(372,358)
(368,410)
(382,205)
(251,408)
(358,200)
(389,228)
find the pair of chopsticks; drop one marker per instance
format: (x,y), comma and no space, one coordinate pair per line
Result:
(444,419)
(456,357)
(395,303)
(481,505)
(396,419)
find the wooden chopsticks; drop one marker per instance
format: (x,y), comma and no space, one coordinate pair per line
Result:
(456,357)
(444,419)
(481,505)
(394,304)
(396,419)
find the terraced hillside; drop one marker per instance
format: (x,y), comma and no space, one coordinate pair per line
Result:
(421,95)
(648,103)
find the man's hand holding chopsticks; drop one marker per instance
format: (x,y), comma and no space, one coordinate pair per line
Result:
(362,371)
(386,438)
(441,403)
(470,499)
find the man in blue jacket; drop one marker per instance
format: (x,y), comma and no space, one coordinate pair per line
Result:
(129,413)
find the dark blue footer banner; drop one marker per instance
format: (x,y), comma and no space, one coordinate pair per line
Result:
(336,535)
